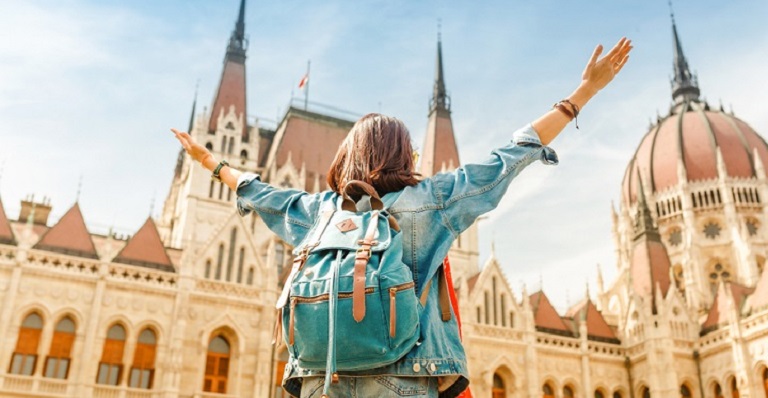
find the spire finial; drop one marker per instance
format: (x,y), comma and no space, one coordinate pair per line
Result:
(237,42)
(439,29)
(79,188)
(684,84)
(671,12)
(152,203)
(440,99)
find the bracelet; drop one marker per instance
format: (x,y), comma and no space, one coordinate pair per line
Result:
(573,113)
(215,176)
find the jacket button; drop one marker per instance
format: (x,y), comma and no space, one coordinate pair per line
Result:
(432,367)
(416,368)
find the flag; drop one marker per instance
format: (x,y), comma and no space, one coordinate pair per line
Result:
(304,81)
(455,304)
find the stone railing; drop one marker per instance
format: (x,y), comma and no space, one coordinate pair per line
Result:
(499,332)
(230,289)
(7,254)
(102,391)
(143,275)
(713,338)
(606,349)
(34,385)
(62,263)
(550,340)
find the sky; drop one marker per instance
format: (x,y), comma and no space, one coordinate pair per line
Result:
(89,89)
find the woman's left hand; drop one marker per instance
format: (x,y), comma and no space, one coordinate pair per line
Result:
(195,150)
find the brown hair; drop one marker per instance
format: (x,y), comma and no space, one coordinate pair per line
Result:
(377,151)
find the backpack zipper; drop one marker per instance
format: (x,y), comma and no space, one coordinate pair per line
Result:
(369,290)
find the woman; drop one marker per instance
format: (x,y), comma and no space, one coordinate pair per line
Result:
(431,213)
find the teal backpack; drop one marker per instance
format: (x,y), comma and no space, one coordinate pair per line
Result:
(348,283)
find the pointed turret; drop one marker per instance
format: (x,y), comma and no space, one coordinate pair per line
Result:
(649,267)
(231,91)
(684,84)
(180,158)
(69,236)
(439,152)
(146,249)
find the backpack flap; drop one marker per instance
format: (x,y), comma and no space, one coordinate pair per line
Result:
(346,231)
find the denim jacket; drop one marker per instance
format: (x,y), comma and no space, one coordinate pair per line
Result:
(431,215)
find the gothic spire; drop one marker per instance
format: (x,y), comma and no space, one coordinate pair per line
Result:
(685,84)
(237,43)
(643,220)
(440,98)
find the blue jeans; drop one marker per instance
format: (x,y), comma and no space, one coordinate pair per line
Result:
(372,386)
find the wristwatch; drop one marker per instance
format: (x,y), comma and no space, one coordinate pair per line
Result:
(215,176)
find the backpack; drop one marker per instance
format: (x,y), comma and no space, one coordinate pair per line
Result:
(348,283)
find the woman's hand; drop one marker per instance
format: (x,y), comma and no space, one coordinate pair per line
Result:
(195,150)
(599,72)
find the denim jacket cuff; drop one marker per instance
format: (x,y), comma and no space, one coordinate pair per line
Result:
(527,136)
(244,180)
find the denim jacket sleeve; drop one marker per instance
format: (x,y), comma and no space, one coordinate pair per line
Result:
(288,213)
(475,189)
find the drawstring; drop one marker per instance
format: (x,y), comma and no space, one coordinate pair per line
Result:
(330,364)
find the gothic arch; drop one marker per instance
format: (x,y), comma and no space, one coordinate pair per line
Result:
(507,377)
(151,324)
(24,311)
(113,319)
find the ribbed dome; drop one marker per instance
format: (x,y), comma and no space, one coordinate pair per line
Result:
(690,136)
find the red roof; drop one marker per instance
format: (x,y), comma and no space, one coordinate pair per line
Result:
(311,139)
(759,298)
(692,137)
(146,249)
(6,234)
(718,313)
(650,268)
(231,92)
(69,236)
(545,316)
(439,145)
(597,327)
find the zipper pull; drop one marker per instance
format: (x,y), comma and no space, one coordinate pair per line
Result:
(392,311)
(290,324)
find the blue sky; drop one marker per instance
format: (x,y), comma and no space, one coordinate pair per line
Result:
(90,88)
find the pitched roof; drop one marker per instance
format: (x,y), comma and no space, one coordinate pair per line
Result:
(718,313)
(6,234)
(545,317)
(69,236)
(146,249)
(597,328)
(759,298)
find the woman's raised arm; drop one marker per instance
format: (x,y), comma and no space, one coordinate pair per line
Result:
(597,74)
(201,154)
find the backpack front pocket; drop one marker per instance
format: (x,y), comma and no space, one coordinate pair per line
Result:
(358,345)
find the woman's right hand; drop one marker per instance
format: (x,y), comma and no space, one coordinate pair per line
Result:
(599,72)
(195,150)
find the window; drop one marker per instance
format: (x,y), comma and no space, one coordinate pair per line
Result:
(498,390)
(231,255)
(646,393)
(25,356)
(210,190)
(240,262)
(217,366)
(717,273)
(599,394)
(503,310)
(617,394)
(712,230)
(685,392)
(243,156)
(495,299)
(209,146)
(568,392)
(143,369)
(765,381)
(219,261)
(231,145)
(111,365)
(487,309)
(547,391)
(59,357)
(752,227)
(718,391)
(208,268)
(250,276)
(223,144)
(676,237)
(734,388)
(279,257)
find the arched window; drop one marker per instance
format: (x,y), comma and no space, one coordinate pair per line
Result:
(498,390)
(111,365)
(279,258)
(240,264)
(547,391)
(734,388)
(231,145)
(617,394)
(243,156)
(495,299)
(718,391)
(143,369)
(599,394)
(209,146)
(765,381)
(487,309)
(210,190)
(646,393)
(250,276)
(685,392)
(503,313)
(479,316)
(217,366)
(223,144)
(221,191)
(25,356)
(219,261)
(231,255)
(59,357)
(568,392)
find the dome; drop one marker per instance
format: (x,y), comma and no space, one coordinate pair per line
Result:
(690,137)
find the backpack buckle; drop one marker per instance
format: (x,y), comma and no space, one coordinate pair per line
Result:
(363,252)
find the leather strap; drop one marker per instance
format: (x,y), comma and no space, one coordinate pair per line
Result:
(298,262)
(349,205)
(362,256)
(443,297)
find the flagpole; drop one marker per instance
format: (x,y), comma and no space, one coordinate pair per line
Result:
(306,89)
